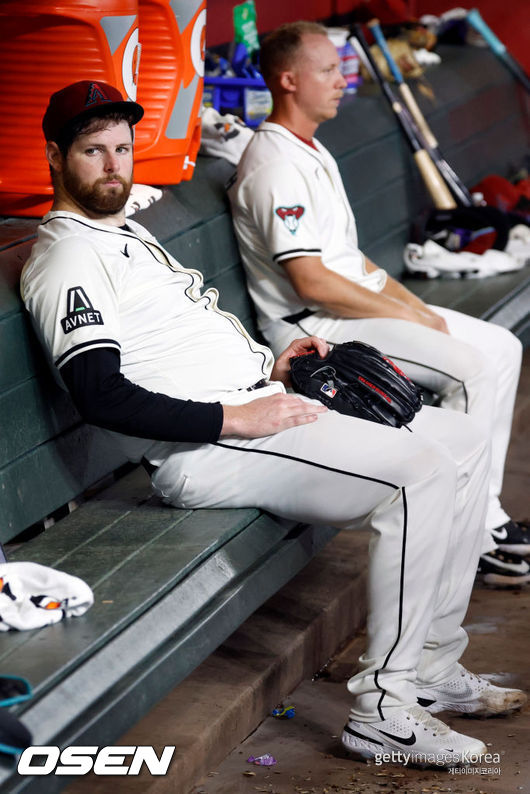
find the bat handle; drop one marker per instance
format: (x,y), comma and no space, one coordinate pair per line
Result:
(406,93)
(382,43)
(418,116)
(474,18)
(498,48)
(436,186)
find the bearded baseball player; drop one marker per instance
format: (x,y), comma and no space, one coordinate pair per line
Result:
(148,355)
(306,274)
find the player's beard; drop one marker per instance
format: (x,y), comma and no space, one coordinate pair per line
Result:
(96,198)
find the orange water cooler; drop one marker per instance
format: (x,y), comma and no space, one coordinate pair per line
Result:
(43,47)
(170,83)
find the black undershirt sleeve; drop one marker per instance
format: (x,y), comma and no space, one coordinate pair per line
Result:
(104,397)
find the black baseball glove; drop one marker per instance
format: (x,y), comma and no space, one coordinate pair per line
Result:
(358,380)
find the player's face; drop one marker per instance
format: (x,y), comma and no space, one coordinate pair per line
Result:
(97,171)
(319,82)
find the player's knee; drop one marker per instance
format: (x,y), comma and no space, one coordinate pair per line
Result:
(431,462)
(444,463)
(479,373)
(512,349)
(461,366)
(469,440)
(478,364)
(475,439)
(466,443)
(505,353)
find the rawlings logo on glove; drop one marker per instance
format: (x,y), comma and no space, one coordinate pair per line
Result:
(356,379)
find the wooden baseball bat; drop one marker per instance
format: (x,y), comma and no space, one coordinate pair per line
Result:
(498,48)
(437,188)
(457,187)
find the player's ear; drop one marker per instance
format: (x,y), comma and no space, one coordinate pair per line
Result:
(54,156)
(287,81)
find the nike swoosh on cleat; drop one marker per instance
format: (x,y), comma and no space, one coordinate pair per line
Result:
(511,568)
(424,702)
(408,740)
(361,735)
(499,534)
(466,694)
(455,697)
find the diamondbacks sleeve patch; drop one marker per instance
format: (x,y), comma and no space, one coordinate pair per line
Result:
(79,311)
(290,216)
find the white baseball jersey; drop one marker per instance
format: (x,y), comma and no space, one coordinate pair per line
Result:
(89,285)
(288,200)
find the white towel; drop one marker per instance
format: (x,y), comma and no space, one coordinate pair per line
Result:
(224,136)
(32,596)
(141,197)
(433,260)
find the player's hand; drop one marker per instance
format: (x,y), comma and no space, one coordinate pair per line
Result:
(282,370)
(268,415)
(433,320)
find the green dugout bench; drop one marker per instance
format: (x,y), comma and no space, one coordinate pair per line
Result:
(171,585)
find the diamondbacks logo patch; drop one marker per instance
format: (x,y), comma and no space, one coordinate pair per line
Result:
(290,216)
(79,311)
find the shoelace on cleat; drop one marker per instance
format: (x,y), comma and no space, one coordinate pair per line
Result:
(481,682)
(428,722)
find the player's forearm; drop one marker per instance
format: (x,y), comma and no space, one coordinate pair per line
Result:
(106,399)
(426,316)
(393,289)
(318,286)
(343,298)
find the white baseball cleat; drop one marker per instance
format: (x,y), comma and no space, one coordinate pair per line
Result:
(412,736)
(467,693)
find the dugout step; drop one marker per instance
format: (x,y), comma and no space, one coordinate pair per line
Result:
(288,639)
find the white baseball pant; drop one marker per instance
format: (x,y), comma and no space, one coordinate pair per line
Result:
(423,493)
(474,370)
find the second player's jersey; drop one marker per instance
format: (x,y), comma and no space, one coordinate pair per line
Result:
(89,285)
(288,201)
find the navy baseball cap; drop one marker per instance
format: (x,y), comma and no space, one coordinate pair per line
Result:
(82,100)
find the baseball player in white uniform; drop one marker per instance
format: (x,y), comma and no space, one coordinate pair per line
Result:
(152,359)
(306,274)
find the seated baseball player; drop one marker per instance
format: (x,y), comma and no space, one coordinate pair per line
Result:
(306,274)
(150,357)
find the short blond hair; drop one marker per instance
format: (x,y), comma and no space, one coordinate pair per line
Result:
(280,47)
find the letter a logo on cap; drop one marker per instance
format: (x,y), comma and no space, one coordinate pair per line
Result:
(95,95)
